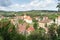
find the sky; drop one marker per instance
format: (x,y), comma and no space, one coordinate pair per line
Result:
(26,5)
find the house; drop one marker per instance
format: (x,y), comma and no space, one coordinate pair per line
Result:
(28,19)
(19,17)
(14,22)
(45,21)
(57,20)
(22,28)
(1,17)
(30,29)
(37,18)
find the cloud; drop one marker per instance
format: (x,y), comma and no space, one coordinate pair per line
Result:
(19,7)
(33,5)
(2,8)
(5,3)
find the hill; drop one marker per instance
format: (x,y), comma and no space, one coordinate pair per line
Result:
(31,13)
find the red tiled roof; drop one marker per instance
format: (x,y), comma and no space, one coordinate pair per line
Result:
(21,28)
(30,29)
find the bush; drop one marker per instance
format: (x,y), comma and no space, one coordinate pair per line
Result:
(1,38)
(8,32)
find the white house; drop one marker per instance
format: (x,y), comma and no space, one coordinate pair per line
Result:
(57,20)
(28,19)
(45,21)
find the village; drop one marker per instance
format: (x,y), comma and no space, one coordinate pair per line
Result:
(25,23)
(29,19)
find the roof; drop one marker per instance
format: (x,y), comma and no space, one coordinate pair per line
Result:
(21,28)
(44,21)
(30,29)
(27,17)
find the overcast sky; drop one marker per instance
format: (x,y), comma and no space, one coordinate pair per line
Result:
(25,5)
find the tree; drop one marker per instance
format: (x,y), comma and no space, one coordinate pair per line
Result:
(53,17)
(38,35)
(58,31)
(1,38)
(8,31)
(35,36)
(4,29)
(35,25)
(52,32)
(21,21)
(58,6)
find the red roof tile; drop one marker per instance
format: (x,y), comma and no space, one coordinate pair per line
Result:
(30,29)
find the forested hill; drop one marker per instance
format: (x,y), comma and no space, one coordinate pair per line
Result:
(32,12)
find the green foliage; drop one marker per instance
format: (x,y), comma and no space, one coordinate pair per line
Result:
(51,32)
(53,17)
(35,36)
(58,31)
(8,31)
(21,21)
(35,25)
(34,20)
(32,13)
(16,36)
(58,6)
(1,38)
(4,29)
(42,30)
(27,26)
